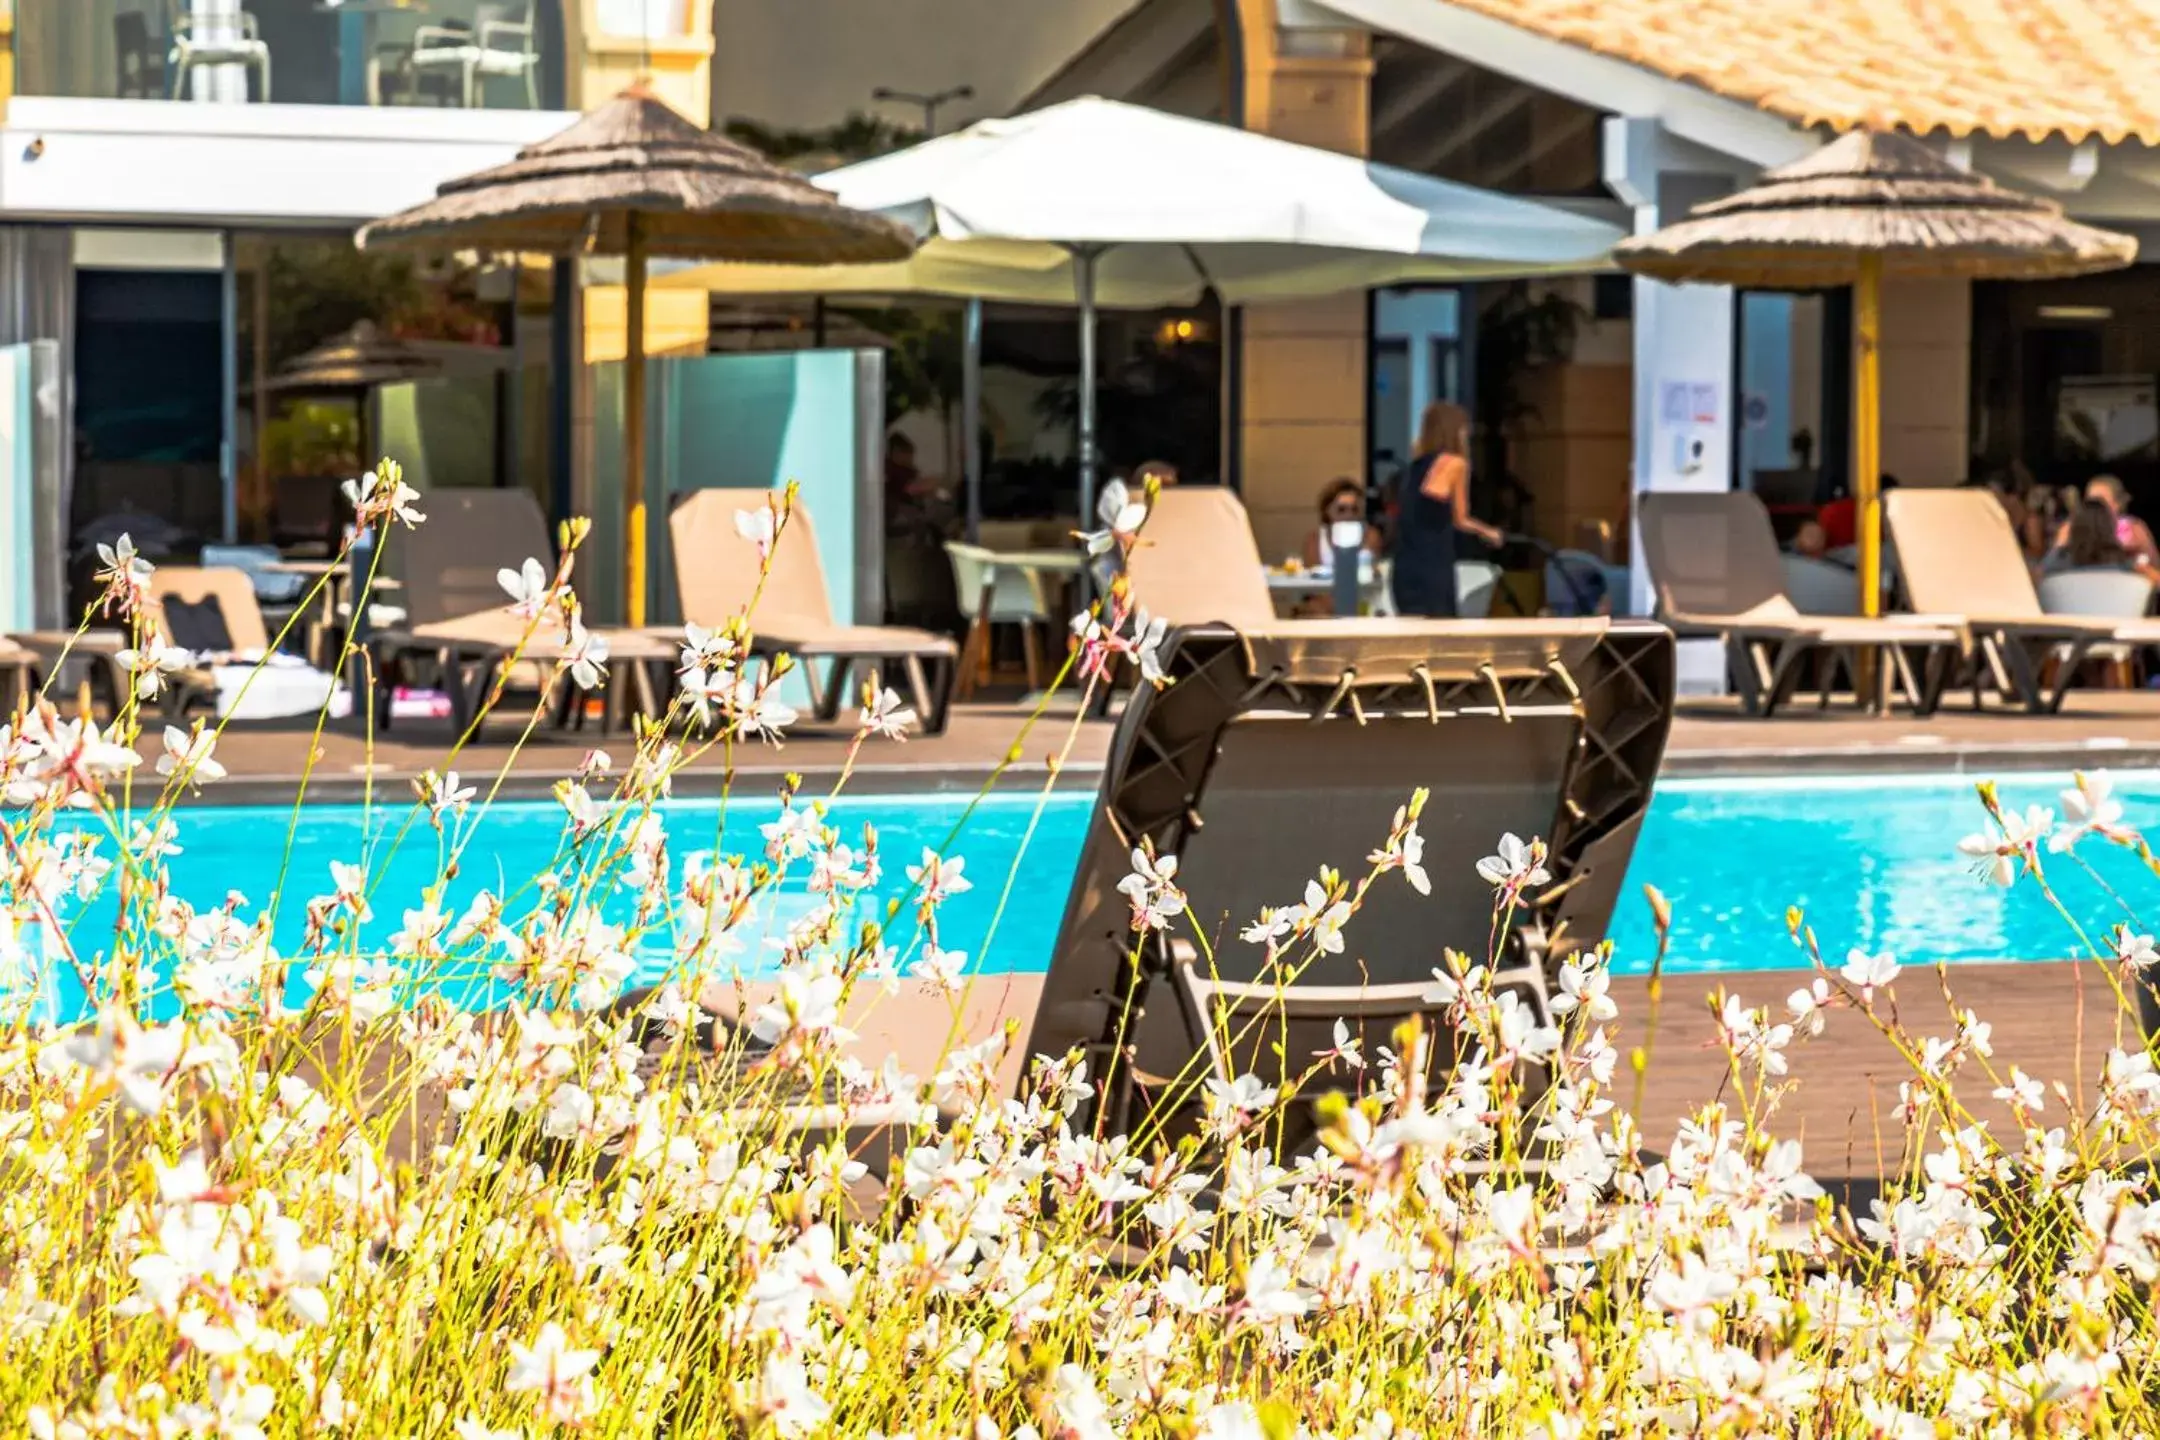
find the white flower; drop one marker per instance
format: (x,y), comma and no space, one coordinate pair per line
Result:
(120,565)
(1344,1049)
(557,1376)
(759,710)
(1585,987)
(1152,889)
(943,969)
(1518,865)
(1181,1291)
(1999,858)
(883,714)
(786,1399)
(1232,1103)
(151,662)
(1230,1420)
(1079,1405)
(939,877)
(586,654)
(1405,851)
(444,792)
(528,587)
(807,1003)
(2136,951)
(758,527)
(383,495)
(1122,515)
(2090,808)
(188,756)
(1270,1293)
(1869,972)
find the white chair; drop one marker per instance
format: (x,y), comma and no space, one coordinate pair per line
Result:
(501,44)
(993,594)
(210,37)
(1817,587)
(2104,592)
(1475,582)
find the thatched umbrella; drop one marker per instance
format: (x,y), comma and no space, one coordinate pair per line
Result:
(1865,206)
(635,179)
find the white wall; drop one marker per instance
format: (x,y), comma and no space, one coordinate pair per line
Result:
(805,64)
(153,160)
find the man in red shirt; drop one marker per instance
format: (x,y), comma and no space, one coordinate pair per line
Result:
(1840,519)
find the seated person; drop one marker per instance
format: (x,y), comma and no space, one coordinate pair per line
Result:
(1841,517)
(1341,499)
(2090,542)
(1811,540)
(2133,534)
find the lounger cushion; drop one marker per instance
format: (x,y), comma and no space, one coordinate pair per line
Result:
(198,625)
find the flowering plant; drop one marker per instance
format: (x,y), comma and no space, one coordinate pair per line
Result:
(266,1194)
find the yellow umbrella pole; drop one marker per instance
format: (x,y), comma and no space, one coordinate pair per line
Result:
(634,420)
(1867,427)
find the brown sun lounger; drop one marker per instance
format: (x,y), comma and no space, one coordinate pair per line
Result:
(233,593)
(717,578)
(1958,554)
(459,632)
(1715,570)
(1272,752)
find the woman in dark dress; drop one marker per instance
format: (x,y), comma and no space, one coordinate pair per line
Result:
(1434,503)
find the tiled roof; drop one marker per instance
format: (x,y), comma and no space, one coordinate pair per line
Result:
(2074,68)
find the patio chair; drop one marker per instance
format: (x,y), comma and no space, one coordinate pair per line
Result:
(2117,594)
(459,633)
(214,38)
(1273,751)
(1716,571)
(1959,555)
(212,610)
(990,595)
(500,43)
(717,579)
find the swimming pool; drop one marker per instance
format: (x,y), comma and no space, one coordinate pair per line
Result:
(1872,861)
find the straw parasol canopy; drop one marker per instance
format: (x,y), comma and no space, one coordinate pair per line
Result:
(1881,195)
(356,359)
(636,179)
(635,172)
(1862,207)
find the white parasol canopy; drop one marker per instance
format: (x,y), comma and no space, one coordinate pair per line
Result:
(1098,202)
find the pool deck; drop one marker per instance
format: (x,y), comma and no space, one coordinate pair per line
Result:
(2055,1021)
(2097,729)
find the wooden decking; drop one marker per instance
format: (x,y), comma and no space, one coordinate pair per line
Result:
(2115,729)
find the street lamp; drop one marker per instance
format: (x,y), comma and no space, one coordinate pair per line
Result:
(929,103)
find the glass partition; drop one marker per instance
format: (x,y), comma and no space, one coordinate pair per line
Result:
(496,54)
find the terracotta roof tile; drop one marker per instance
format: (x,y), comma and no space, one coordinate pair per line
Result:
(2075,68)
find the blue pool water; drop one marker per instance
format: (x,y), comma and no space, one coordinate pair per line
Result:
(1872,861)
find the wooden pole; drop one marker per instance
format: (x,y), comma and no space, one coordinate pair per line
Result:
(634,421)
(1867,427)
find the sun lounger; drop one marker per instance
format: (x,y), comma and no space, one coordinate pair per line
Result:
(1959,554)
(18,663)
(1197,562)
(1272,752)
(717,578)
(459,632)
(97,652)
(237,674)
(1716,572)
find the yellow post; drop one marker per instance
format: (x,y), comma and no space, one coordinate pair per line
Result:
(1867,431)
(634,422)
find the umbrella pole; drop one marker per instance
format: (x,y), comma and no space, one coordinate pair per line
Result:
(634,420)
(971,413)
(1084,293)
(1867,427)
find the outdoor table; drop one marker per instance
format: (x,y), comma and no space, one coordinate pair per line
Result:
(1288,588)
(359,33)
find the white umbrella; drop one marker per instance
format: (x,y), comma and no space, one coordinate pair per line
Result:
(1094,201)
